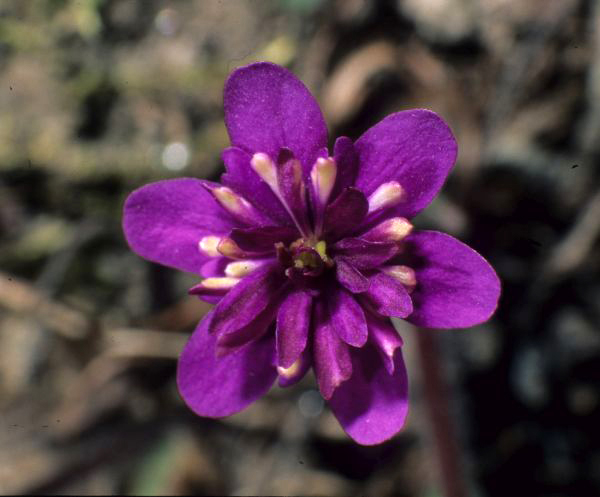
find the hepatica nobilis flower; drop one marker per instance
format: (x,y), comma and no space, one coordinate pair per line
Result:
(307,255)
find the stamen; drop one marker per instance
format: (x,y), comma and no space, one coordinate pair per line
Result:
(323,176)
(390,230)
(214,286)
(291,371)
(219,283)
(236,205)
(403,274)
(229,248)
(386,195)
(240,269)
(265,168)
(209,244)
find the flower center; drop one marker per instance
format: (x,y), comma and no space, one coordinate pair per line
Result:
(310,256)
(304,260)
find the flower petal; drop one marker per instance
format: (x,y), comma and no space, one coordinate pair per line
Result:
(241,178)
(268,108)
(389,296)
(217,387)
(415,148)
(246,300)
(263,239)
(331,357)
(164,221)
(292,188)
(372,405)
(292,375)
(346,159)
(363,254)
(293,322)
(456,287)
(385,337)
(214,267)
(348,318)
(349,276)
(261,324)
(345,213)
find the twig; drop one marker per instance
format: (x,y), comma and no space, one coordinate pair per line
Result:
(22,298)
(574,248)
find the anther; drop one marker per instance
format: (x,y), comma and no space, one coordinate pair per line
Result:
(209,244)
(214,286)
(293,370)
(235,204)
(239,269)
(390,230)
(323,175)
(229,248)
(265,168)
(403,274)
(386,195)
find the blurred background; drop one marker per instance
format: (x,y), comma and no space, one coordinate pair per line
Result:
(98,97)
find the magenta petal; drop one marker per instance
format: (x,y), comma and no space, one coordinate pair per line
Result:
(292,187)
(263,239)
(296,372)
(389,296)
(241,178)
(232,341)
(372,405)
(385,337)
(346,159)
(164,221)
(293,322)
(220,387)
(456,287)
(214,267)
(268,108)
(363,254)
(349,276)
(246,300)
(348,318)
(345,213)
(415,148)
(331,357)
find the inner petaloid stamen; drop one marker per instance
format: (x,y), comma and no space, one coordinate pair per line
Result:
(323,175)
(208,245)
(404,275)
(268,172)
(239,269)
(386,195)
(394,229)
(235,204)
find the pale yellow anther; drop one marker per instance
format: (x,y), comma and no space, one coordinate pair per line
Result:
(395,229)
(229,248)
(294,369)
(239,269)
(230,201)
(209,244)
(403,274)
(265,168)
(323,176)
(386,195)
(221,283)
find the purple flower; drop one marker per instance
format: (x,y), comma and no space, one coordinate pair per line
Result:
(307,255)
